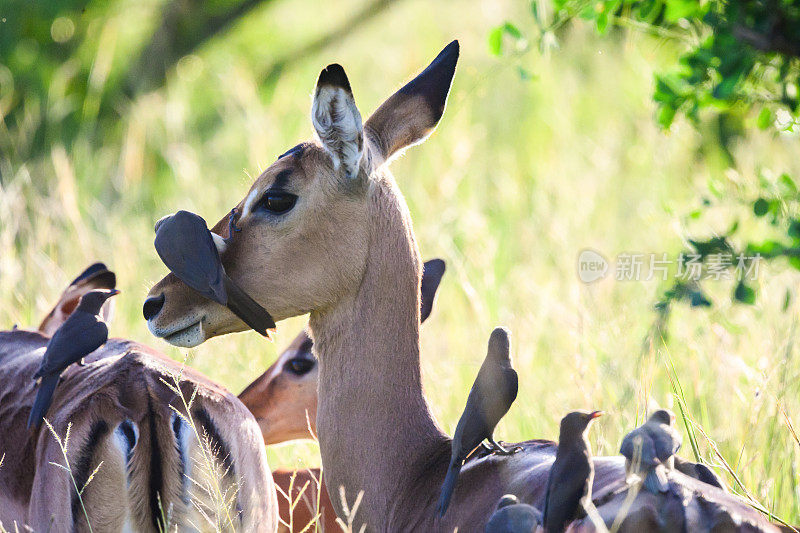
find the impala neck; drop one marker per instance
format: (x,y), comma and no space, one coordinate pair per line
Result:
(374,425)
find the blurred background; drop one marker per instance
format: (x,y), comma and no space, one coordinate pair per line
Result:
(117,113)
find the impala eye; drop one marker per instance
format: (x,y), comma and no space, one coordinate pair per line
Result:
(277,202)
(300,366)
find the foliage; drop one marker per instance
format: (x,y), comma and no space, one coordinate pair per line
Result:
(738,68)
(739,57)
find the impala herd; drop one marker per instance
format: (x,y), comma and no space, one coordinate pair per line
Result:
(137,442)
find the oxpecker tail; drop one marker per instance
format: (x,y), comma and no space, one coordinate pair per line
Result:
(656,480)
(447,487)
(44,397)
(248,309)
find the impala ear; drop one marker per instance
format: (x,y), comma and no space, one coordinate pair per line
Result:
(96,276)
(412,113)
(432,272)
(337,121)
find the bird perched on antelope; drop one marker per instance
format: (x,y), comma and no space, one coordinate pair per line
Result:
(492,394)
(569,484)
(191,252)
(82,332)
(699,471)
(96,276)
(512,516)
(649,450)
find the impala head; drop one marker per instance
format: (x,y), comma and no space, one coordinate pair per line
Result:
(305,225)
(97,276)
(284,398)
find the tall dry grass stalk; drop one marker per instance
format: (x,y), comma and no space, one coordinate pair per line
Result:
(63,445)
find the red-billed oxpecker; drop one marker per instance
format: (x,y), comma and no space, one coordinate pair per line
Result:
(490,398)
(512,516)
(190,251)
(570,481)
(82,332)
(649,450)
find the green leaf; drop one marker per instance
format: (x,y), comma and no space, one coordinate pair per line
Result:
(602,22)
(512,30)
(768,248)
(678,9)
(666,115)
(787,300)
(794,229)
(496,41)
(744,294)
(698,299)
(764,118)
(788,183)
(795,262)
(535,12)
(760,207)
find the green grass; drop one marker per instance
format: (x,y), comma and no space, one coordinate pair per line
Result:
(519,177)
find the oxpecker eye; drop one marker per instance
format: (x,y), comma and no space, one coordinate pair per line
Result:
(277,202)
(300,366)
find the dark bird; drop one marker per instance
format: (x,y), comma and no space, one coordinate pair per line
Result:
(96,276)
(512,516)
(82,332)
(492,394)
(572,473)
(700,472)
(432,272)
(187,248)
(649,450)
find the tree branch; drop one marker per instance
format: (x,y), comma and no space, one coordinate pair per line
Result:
(362,16)
(185,26)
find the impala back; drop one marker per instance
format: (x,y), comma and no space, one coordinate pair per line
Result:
(152,463)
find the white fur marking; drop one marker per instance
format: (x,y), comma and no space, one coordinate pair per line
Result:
(219,242)
(248,204)
(337,122)
(183,437)
(121,441)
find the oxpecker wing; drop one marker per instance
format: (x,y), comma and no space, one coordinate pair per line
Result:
(187,247)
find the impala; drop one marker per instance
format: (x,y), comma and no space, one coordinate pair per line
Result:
(284,401)
(325,231)
(152,467)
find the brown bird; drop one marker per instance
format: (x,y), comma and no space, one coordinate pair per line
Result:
(649,450)
(512,516)
(187,248)
(490,398)
(572,473)
(82,332)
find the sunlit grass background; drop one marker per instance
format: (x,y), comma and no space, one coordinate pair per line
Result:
(519,178)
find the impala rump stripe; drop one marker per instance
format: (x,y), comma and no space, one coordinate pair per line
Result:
(83,467)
